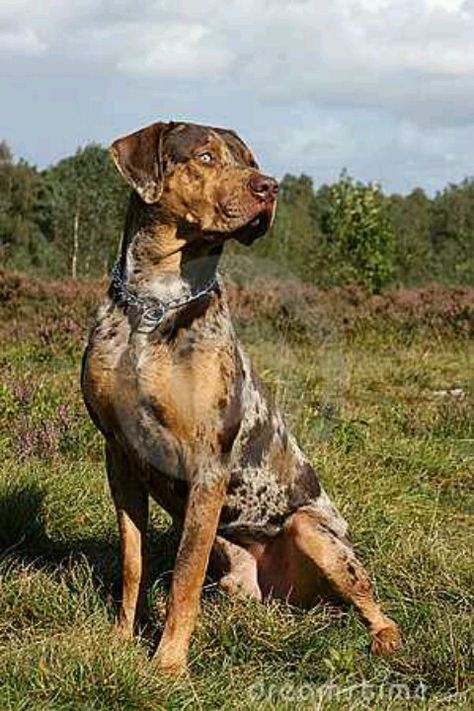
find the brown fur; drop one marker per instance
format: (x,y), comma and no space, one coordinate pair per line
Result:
(185,418)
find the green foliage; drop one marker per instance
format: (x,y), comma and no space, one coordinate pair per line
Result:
(22,244)
(296,236)
(453,232)
(85,201)
(411,218)
(68,220)
(358,234)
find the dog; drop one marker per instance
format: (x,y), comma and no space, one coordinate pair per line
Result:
(185,418)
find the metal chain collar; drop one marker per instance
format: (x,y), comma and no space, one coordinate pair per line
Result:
(152,311)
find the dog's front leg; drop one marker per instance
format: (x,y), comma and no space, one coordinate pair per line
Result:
(203,509)
(131,502)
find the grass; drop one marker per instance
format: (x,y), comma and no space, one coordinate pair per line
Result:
(395,454)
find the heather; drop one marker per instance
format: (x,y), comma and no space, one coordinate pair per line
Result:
(378,390)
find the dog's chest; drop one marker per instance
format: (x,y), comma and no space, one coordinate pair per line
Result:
(192,404)
(168,400)
(185,389)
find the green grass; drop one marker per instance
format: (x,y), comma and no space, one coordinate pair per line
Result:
(395,456)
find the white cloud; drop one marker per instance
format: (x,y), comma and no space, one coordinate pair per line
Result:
(414,57)
(21,40)
(165,50)
(372,80)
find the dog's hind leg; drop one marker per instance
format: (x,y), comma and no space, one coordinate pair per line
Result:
(319,562)
(131,502)
(235,568)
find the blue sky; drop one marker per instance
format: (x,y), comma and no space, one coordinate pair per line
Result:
(383,88)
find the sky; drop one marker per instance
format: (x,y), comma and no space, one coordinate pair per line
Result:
(382,88)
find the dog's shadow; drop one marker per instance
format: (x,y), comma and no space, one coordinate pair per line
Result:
(24,540)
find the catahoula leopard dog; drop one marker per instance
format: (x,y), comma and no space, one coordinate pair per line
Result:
(185,418)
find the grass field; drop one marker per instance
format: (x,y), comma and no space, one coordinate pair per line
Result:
(371,406)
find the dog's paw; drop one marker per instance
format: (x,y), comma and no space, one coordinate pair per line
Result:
(386,641)
(169,665)
(240,587)
(123,628)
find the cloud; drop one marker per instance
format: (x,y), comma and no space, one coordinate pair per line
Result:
(21,40)
(414,58)
(169,50)
(372,147)
(378,84)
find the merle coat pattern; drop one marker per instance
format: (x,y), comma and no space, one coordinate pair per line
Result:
(184,416)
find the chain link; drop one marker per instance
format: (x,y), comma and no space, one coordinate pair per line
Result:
(152,310)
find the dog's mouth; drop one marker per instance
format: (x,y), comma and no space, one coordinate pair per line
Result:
(256,226)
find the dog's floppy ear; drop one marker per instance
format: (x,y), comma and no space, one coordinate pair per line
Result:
(138,158)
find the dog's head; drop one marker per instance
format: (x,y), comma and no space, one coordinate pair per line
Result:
(205,179)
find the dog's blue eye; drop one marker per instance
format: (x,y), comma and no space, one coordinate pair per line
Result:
(205,157)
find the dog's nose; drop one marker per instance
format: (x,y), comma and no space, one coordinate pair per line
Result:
(263,187)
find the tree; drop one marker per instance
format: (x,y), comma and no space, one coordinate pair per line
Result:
(68,220)
(452,232)
(411,216)
(358,233)
(21,242)
(295,235)
(86,200)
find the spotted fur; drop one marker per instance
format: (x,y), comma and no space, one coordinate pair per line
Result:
(184,416)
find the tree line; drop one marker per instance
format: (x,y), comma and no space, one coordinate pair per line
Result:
(67,220)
